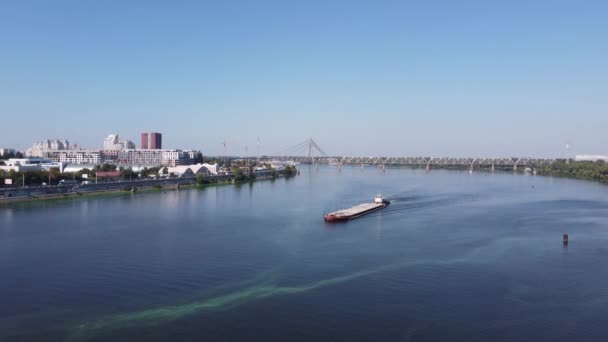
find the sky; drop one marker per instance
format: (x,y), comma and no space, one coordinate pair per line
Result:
(369,78)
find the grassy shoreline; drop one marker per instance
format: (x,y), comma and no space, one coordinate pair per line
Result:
(123,192)
(579,170)
(582,170)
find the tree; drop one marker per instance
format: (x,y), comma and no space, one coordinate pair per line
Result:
(238,174)
(55,174)
(583,170)
(251,174)
(128,173)
(106,167)
(290,170)
(152,171)
(200,178)
(88,172)
(165,171)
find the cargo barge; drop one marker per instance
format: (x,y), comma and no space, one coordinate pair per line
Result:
(358,210)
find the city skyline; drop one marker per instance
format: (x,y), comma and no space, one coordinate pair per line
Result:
(389,78)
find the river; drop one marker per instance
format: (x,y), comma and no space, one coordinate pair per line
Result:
(455,257)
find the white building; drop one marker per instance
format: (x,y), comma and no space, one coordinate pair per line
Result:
(155,157)
(213,168)
(185,170)
(112,143)
(28,164)
(40,148)
(591,157)
(77,167)
(77,157)
(280,165)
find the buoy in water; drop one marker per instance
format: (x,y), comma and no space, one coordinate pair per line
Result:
(565,239)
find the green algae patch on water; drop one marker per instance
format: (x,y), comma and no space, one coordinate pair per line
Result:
(152,317)
(264,289)
(161,315)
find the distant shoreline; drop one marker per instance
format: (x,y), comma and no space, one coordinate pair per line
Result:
(579,170)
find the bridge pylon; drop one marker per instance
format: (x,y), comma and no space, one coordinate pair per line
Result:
(312,146)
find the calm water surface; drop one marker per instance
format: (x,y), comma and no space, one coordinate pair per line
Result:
(456,257)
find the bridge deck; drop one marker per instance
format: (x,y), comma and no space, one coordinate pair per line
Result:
(423,161)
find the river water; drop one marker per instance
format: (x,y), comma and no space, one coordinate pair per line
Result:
(455,257)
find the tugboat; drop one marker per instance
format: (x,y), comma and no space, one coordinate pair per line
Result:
(358,210)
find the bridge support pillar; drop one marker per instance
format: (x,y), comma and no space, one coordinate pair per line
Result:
(428,167)
(493,168)
(515,168)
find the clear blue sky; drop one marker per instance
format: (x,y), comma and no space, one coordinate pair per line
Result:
(462,78)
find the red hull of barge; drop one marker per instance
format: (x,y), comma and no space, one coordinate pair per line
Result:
(333,218)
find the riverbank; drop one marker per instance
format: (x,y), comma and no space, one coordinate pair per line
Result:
(584,170)
(126,188)
(87,194)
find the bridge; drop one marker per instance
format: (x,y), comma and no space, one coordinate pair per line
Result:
(309,152)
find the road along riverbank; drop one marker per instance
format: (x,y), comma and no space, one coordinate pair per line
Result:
(40,193)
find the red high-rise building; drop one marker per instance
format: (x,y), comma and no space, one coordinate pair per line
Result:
(144,141)
(151,141)
(155,141)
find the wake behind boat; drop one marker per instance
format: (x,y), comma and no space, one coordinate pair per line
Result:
(358,210)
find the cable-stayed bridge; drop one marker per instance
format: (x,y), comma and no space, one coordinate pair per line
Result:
(309,152)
